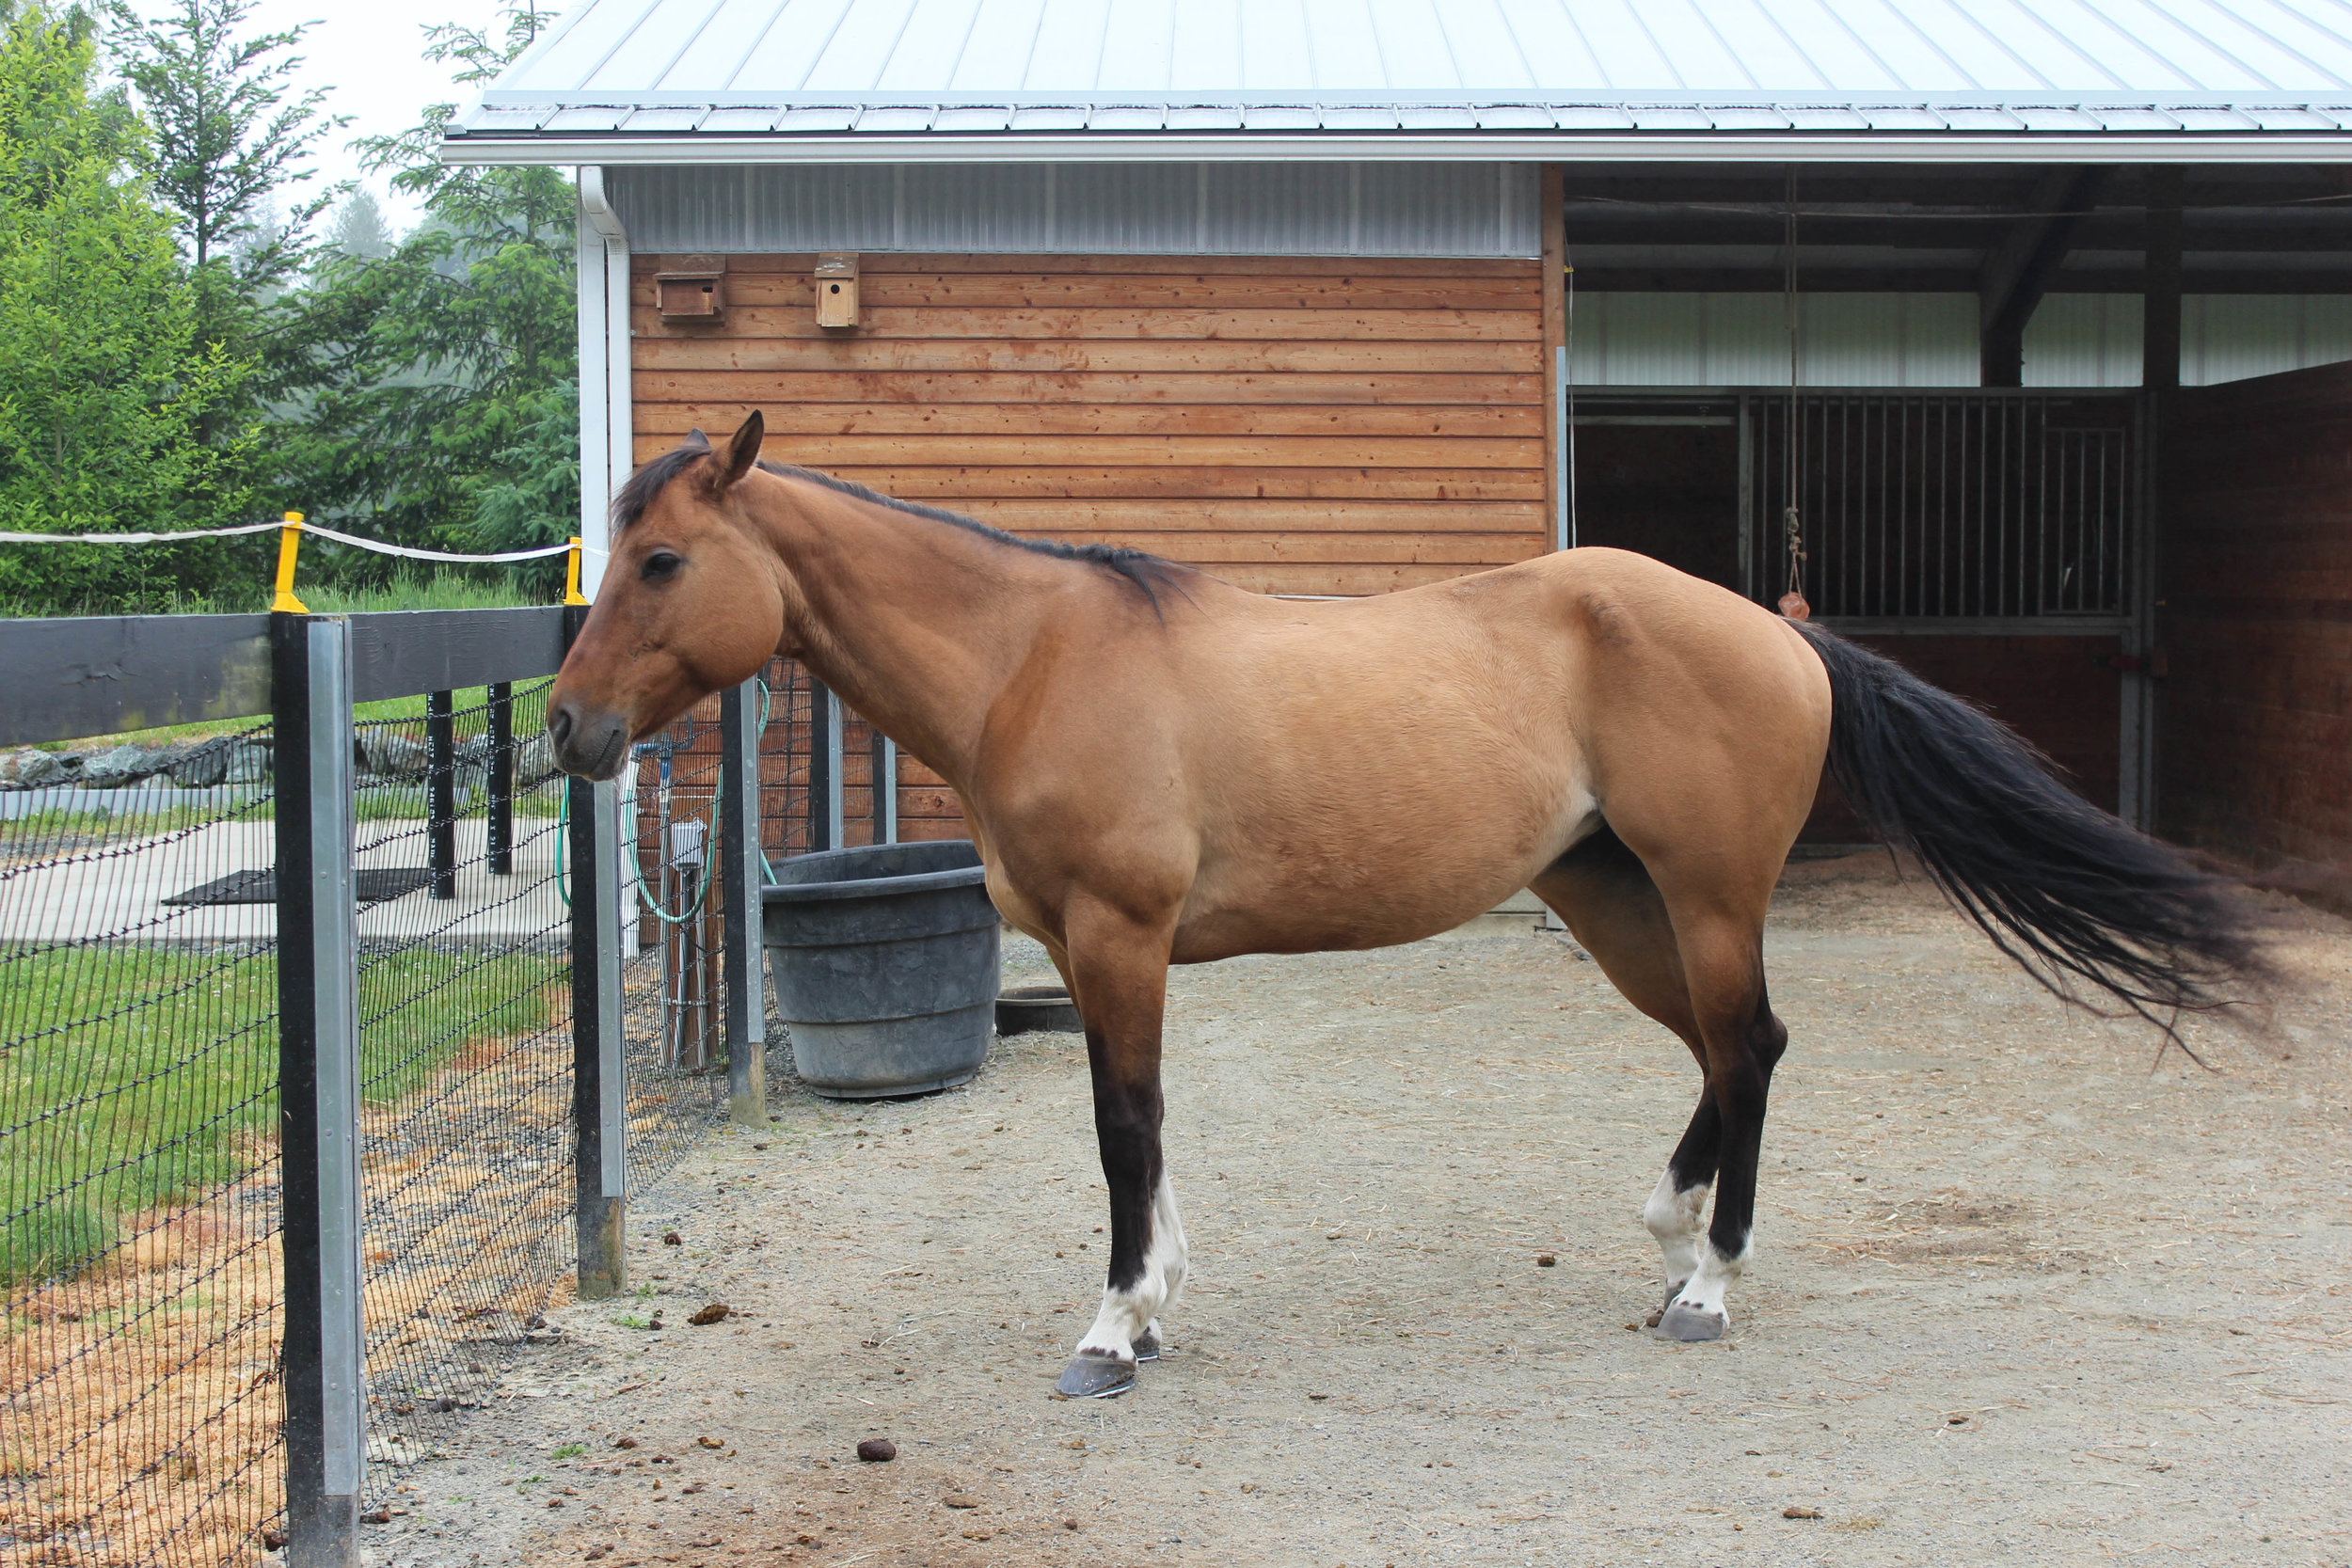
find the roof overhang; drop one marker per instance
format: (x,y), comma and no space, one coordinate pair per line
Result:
(523,127)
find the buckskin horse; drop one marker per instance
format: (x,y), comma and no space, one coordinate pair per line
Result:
(1160,768)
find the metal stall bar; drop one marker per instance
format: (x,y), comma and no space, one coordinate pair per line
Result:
(739,883)
(324,1352)
(885,790)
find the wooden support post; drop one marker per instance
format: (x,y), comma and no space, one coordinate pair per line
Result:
(2160,285)
(2020,269)
(599,1111)
(740,882)
(501,779)
(324,1354)
(441,789)
(1550,195)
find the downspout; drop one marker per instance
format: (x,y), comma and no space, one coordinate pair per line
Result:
(606,432)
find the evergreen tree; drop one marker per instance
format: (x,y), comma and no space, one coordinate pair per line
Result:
(357,228)
(441,404)
(103,382)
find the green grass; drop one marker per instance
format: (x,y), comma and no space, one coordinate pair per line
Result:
(132,1077)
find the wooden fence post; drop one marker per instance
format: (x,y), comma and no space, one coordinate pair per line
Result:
(318,1076)
(739,870)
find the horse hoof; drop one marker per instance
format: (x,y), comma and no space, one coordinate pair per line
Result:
(1092,1375)
(1691,1325)
(1146,1346)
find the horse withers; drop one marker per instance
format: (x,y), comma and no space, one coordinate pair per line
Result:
(1160,768)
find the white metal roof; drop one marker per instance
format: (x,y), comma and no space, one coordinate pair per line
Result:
(720,80)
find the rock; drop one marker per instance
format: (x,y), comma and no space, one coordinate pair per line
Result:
(977,1533)
(716,1312)
(712,1442)
(126,764)
(878,1450)
(602,1548)
(1798,1511)
(669,1237)
(961,1499)
(625,1442)
(28,768)
(376,1516)
(197,764)
(249,762)
(534,761)
(1543,1260)
(388,751)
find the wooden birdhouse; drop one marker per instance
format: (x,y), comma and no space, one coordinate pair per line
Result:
(836,289)
(695,292)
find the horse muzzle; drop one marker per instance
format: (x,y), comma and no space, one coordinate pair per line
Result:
(587,746)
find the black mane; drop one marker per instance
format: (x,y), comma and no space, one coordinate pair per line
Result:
(1148,573)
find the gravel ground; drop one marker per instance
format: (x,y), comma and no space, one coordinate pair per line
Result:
(2017,1297)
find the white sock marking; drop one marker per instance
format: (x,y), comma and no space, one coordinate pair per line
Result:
(1678,1219)
(1126,1314)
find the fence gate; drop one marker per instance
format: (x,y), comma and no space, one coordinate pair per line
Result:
(1993,540)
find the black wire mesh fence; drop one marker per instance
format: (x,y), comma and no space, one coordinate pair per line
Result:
(673,918)
(144,1199)
(464,1059)
(139,1412)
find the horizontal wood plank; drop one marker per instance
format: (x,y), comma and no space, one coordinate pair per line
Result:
(951,483)
(1068,515)
(1145,323)
(718,353)
(1029,418)
(833,453)
(1011,290)
(769,389)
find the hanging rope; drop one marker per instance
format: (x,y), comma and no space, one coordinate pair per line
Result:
(1792,603)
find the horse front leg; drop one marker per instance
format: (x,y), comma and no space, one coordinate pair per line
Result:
(1119,974)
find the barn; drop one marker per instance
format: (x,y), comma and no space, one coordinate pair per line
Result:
(2018,339)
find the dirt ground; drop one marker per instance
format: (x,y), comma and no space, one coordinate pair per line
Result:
(2017,1298)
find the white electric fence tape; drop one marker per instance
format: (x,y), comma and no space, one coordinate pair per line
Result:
(375,545)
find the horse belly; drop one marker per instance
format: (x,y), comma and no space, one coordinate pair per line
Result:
(1372,867)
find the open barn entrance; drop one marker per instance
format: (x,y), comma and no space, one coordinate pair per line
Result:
(1990,540)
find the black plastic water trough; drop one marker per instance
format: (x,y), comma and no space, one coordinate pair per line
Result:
(885,961)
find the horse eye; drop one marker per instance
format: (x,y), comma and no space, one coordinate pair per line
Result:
(660,565)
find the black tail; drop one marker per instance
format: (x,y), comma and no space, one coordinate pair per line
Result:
(2069,891)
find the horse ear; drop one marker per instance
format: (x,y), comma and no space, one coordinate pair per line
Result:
(696,441)
(742,452)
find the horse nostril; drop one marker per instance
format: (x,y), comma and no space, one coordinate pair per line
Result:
(560,724)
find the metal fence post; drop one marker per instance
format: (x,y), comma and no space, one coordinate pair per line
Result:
(599,1106)
(441,787)
(499,779)
(823,766)
(829,801)
(885,790)
(740,872)
(325,1347)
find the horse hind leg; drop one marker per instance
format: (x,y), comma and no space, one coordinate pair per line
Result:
(1615,913)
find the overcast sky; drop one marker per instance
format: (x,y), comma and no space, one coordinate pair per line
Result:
(369,56)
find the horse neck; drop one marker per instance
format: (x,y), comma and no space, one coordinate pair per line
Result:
(917,624)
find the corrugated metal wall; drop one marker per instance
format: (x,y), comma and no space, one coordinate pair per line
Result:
(2093,340)
(1741,340)
(1469,210)
(1923,340)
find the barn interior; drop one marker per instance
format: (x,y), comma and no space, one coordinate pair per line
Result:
(2067,440)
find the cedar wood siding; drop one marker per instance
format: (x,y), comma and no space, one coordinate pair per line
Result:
(1294,425)
(2254,558)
